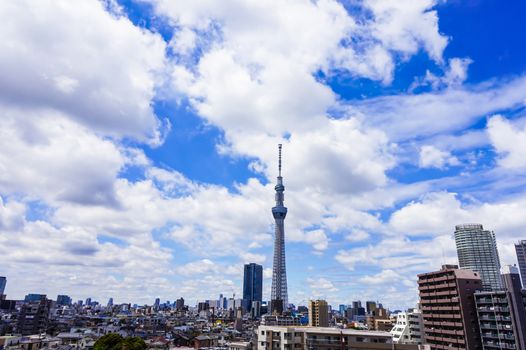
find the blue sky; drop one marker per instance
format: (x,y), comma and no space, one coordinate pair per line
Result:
(139,143)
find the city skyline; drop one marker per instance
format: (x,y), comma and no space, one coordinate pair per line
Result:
(138,139)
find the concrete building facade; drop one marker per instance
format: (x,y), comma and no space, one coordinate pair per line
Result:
(448,308)
(409,327)
(502,314)
(314,338)
(318,313)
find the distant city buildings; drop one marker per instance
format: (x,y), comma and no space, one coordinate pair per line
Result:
(318,313)
(448,308)
(252,284)
(477,251)
(520,249)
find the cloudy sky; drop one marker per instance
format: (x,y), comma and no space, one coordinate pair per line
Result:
(138,143)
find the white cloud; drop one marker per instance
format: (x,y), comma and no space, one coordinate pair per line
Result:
(455,73)
(403,117)
(358,236)
(509,141)
(104,77)
(432,157)
(55,159)
(385,277)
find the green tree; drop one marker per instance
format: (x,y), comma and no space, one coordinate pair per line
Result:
(114,341)
(108,342)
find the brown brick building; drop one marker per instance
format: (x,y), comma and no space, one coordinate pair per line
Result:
(448,308)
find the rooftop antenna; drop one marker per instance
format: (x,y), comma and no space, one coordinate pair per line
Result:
(279,162)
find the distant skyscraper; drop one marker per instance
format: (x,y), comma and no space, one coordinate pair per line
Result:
(88,301)
(252,284)
(3,282)
(34,297)
(477,251)
(370,306)
(520,249)
(110,302)
(63,300)
(279,294)
(179,304)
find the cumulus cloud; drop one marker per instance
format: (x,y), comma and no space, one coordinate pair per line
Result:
(432,157)
(509,142)
(55,159)
(104,77)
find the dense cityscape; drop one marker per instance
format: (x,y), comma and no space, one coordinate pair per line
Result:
(476,304)
(262,175)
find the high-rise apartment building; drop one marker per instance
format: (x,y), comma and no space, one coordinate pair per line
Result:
(279,294)
(318,313)
(501,314)
(477,251)
(520,249)
(448,308)
(252,284)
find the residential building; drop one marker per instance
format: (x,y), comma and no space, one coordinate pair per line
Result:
(448,308)
(252,284)
(409,327)
(502,314)
(379,320)
(520,249)
(34,317)
(280,320)
(477,251)
(324,338)
(318,313)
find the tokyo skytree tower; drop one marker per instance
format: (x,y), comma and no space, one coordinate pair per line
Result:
(279,270)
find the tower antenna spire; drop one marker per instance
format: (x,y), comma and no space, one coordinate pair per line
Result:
(279,159)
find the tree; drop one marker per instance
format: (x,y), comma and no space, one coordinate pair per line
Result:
(114,341)
(108,342)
